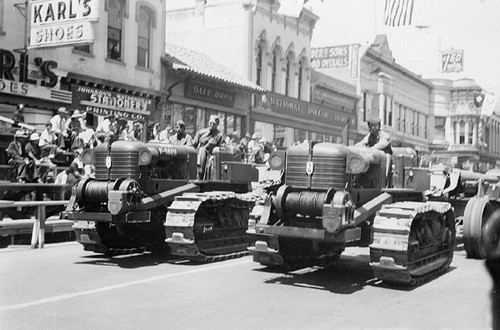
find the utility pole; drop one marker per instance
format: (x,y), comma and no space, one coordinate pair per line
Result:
(23,9)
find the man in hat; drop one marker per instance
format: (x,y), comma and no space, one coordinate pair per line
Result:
(205,141)
(376,138)
(74,127)
(38,166)
(18,116)
(244,145)
(107,128)
(16,151)
(58,122)
(181,138)
(48,141)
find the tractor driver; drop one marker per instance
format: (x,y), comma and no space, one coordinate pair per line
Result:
(377,138)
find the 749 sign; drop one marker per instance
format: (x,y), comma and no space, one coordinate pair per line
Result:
(452,60)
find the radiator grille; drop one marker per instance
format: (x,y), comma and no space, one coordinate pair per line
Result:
(328,172)
(124,164)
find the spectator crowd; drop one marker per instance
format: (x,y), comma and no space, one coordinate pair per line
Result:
(35,154)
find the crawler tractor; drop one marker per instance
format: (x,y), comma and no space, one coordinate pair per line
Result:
(335,196)
(145,196)
(475,197)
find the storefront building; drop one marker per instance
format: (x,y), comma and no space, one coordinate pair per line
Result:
(269,49)
(398,97)
(106,63)
(195,87)
(466,125)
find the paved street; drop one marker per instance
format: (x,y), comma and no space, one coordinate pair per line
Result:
(64,287)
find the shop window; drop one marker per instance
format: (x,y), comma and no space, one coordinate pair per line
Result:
(115,29)
(189,120)
(461,137)
(258,66)
(201,118)
(230,124)
(144,31)
(470,137)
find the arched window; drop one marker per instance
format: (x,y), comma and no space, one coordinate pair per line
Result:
(115,29)
(145,24)
(258,66)
(287,78)
(274,73)
(301,80)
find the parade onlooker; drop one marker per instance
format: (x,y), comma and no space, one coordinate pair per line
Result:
(205,141)
(48,141)
(107,128)
(136,132)
(76,170)
(259,154)
(18,116)
(165,134)
(58,122)
(73,129)
(16,151)
(39,167)
(244,146)
(181,138)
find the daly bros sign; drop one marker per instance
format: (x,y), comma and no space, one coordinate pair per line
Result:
(61,22)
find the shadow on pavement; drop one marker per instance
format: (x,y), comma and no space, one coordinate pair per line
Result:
(346,276)
(126,261)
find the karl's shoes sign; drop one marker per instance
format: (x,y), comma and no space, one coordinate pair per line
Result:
(62,22)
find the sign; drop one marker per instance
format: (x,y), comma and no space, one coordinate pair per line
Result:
(211,94)
(61,35)
(62,22)
(102,103)
(16,78)
(330,57)
(297,108)
(452,60)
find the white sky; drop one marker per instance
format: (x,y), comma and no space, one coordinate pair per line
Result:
(471,25)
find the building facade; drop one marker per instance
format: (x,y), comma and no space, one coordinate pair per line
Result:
(466,125)
(118,71)
(196,88)
(388,91)
(269,49)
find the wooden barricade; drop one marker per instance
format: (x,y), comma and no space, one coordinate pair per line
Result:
(39,224)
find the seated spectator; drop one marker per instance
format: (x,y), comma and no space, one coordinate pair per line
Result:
(76,170)
(59,126)
(259,154)
(39,166)
(48,142)
(165,134)
(107,128)
(74,128)
(136,133)
(18,116)
(205,141)
(181,138)
(16,152)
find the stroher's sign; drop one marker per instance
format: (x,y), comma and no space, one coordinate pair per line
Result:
(330,57)
(102,102)
(62,22)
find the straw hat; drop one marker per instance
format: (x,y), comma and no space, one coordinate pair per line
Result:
(76,114)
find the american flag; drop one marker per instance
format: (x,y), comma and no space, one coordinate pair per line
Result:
(398,12)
